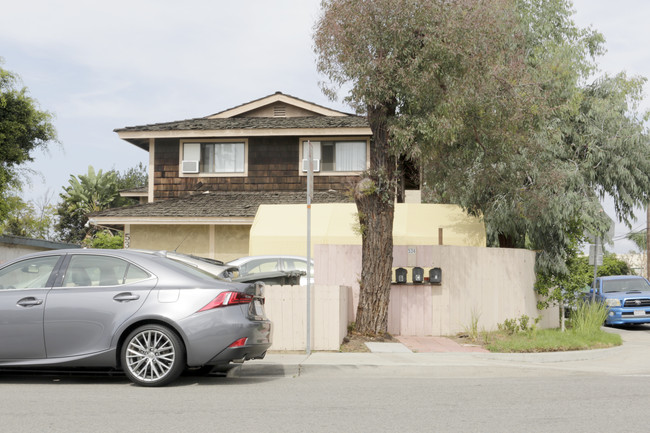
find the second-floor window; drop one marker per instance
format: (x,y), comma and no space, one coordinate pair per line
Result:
(218,157)
(337,156)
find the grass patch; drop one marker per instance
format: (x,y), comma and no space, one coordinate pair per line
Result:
(520,335)
(551,340)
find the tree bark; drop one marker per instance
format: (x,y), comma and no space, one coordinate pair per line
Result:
(375,197)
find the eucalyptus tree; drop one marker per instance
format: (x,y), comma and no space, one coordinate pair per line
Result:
(429,75)
(492,100)
(592,143)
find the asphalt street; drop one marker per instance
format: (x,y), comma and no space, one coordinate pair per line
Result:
(387,391)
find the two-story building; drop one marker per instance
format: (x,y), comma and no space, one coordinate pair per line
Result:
(209,175)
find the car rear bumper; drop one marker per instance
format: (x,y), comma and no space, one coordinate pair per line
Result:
(220,337)
(253,346)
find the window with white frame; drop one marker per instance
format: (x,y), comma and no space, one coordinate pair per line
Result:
(333,156)
(213,157)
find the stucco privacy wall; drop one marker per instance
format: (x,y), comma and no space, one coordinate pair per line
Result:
(492,284)
(282,229)
(222,242)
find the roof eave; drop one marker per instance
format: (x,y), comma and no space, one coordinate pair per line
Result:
(172,220)
(135,137)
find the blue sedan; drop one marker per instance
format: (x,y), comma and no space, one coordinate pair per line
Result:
(626,296)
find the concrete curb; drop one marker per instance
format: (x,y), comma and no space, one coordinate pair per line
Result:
(409,364)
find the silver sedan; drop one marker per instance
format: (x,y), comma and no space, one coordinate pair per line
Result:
(142,312)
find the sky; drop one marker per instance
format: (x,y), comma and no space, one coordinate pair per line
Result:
(98,66)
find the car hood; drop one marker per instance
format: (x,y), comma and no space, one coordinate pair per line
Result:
(627,295)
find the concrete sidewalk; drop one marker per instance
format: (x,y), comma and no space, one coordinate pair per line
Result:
(435,358)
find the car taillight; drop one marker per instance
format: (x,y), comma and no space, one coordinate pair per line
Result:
(239,343)
(228,298)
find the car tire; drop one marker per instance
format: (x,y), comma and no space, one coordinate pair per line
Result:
(152,355)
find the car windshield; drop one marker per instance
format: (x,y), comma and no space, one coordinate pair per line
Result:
(625,285)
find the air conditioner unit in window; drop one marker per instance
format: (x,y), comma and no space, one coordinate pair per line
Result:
(190,166)
(316,165)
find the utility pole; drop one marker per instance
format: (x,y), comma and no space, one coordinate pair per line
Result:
(310,193)
(647,243)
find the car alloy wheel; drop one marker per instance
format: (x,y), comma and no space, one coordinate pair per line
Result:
(153,355)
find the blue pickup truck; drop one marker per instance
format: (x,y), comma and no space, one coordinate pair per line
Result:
(626,296)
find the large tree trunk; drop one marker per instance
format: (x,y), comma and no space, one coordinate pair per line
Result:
(375,198)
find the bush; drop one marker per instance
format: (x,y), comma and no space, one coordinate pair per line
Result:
(588,317)
(105,240)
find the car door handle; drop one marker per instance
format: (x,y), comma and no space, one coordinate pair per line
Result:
(29,302)
(125,297)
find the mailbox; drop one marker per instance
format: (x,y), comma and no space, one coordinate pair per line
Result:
(418,275)
(400,275)
(435,276)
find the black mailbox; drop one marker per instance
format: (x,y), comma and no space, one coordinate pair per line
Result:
(435,275)
(418,275)
(400,275)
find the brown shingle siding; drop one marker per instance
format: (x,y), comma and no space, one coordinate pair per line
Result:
(272,166)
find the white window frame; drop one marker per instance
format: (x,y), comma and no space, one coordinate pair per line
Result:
(316,155)
(210,174)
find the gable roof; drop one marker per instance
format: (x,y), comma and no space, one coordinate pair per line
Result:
(277,97)
(253,119)
(220,207)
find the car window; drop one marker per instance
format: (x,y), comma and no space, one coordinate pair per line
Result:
(259,266)
(89,271)
(135,274)
(297,264)
(28,274)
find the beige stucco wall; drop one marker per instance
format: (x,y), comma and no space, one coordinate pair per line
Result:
(282,229)
(226,242)
(231,242)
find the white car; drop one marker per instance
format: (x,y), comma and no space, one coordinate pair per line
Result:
(252,265)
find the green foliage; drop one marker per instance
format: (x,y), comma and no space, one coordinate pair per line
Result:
(105,239)
(134,177)
(521,325)
(640,239)
(588,317)
(93,192)
(537,189)
(23,129)
(568,288)
(28,219)
(553,340)
(472,330)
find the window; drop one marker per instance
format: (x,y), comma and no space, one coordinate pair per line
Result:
(337,156)
(213,157)
(28,274)
(89,270)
